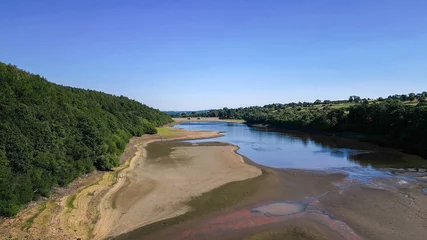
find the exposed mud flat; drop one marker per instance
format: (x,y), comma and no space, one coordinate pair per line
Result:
(162,183)
(297,204)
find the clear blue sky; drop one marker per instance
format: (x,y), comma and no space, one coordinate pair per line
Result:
(200,54)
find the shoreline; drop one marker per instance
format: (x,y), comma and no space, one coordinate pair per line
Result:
(177,121)
(379,141)
(192,169)
(104,226)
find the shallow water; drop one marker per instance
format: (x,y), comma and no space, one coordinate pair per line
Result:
(305,151)
(280,209)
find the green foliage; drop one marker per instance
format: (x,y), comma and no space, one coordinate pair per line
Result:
(70,201)
(390,122)
(51,134)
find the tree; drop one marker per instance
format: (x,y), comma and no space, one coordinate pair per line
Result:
(403,97)
(318,101)
(354,99)
(51,134)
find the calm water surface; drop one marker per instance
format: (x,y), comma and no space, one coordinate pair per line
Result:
(301,150)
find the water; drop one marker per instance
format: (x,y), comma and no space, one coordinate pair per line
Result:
(280,209)
(304,151)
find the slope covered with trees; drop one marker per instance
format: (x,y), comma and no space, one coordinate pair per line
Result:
(51,134)
(398,121)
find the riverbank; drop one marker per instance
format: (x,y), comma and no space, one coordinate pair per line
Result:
(416,161)
(168,177)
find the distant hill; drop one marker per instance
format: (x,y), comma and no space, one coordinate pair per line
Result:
(51,134)
(173,113)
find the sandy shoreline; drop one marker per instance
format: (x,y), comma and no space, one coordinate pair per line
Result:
(156,191)
(160,188)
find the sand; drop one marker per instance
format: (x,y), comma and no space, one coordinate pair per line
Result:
(160,188)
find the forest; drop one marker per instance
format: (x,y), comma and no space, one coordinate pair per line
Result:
(398,121)
(52,134)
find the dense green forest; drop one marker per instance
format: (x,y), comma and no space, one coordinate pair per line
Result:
(51,134)
(398,121)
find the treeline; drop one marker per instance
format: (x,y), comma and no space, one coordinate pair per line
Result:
(51,134)
(391,121)
(238,113)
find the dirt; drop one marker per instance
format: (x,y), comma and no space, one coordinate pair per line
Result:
(381,209)
(160,186)
(381,214)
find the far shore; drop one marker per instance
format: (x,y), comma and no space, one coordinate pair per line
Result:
(204,119)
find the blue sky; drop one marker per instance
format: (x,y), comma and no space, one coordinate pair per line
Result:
(200,54)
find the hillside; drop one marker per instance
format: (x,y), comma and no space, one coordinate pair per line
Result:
(399,121)
(51,134)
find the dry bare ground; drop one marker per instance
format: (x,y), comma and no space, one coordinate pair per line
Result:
(160,189)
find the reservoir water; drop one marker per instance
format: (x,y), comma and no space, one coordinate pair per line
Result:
(292,149)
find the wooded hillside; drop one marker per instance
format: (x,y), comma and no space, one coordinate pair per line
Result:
(51,134)
(398,121)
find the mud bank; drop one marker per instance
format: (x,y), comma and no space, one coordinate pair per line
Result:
(297,204)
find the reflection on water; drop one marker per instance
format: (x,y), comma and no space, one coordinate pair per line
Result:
(292,149)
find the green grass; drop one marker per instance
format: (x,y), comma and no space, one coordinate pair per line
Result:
(27,225)
(70,201)
(411,103)
(341,105)
(165,131)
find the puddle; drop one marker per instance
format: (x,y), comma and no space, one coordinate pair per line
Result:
(425,190)
(280,209)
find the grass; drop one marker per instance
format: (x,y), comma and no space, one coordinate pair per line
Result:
(166,131)
(227,195)
(27,225)
(70,201)
(341,105)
